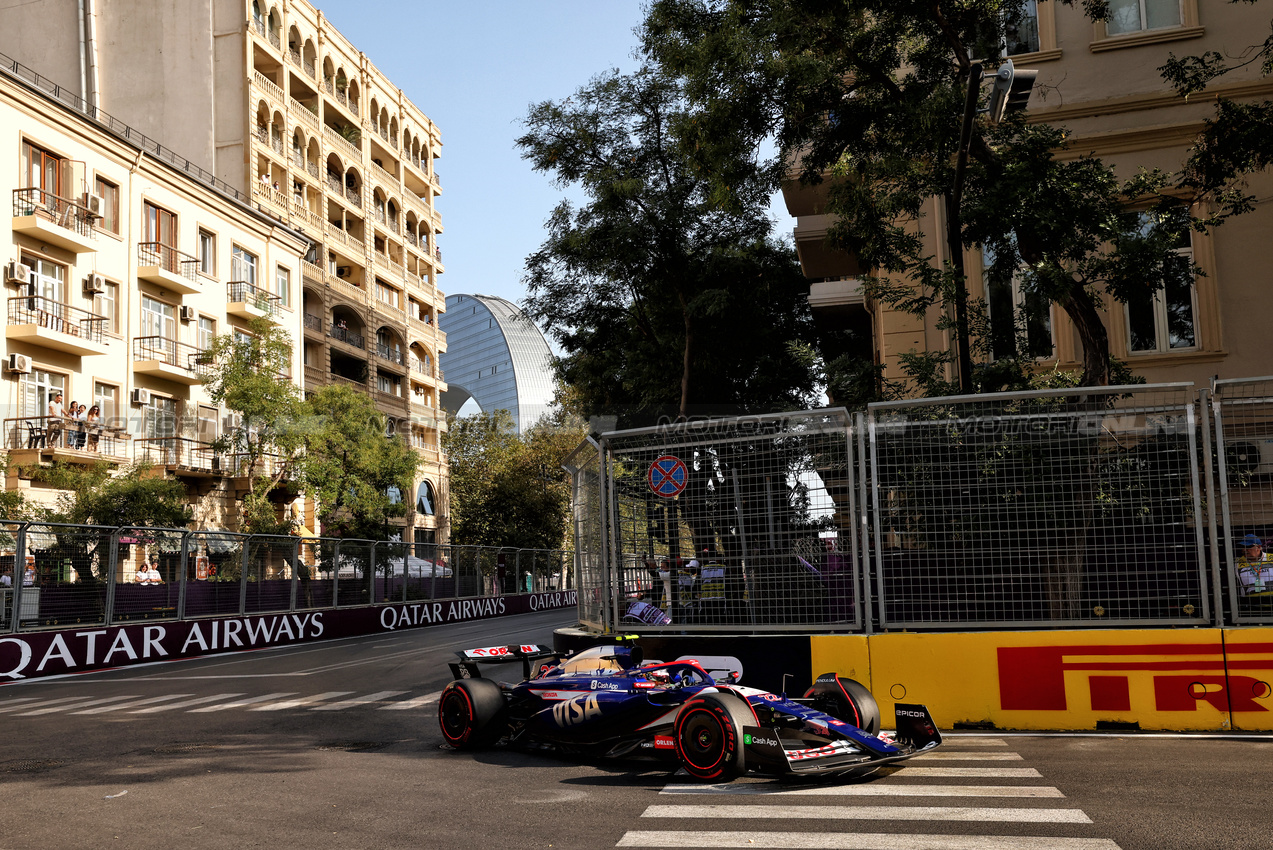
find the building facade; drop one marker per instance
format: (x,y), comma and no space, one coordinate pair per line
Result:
(272,99)
(1101,82)
(497,357)
(120,269)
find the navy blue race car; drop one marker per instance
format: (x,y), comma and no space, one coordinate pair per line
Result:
(608,701)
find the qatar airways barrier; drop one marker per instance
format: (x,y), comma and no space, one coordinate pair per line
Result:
(38,654)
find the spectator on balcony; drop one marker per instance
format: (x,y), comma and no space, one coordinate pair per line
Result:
(92,425)
(265,179)
(78,414)
(56,414)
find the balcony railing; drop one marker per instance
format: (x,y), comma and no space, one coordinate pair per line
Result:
(354,194)
(293,55)
(386,352)
(180,452)
(310,70)
(56,316)
(313,323)
(242,292)
(340,333)
(312,168)
(61,211)
(168,258)
(180,355)
(341,142)
(268,86)
(275,39)
(50,432)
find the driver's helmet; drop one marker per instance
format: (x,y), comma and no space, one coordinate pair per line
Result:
(659,675)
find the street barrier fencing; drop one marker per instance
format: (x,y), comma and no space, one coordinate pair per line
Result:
(1070,508)
(59,576)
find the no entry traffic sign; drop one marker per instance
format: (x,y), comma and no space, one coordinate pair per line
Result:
(668,476)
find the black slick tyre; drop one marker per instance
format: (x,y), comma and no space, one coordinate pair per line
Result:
(709,737)
(849,701)
(472,714)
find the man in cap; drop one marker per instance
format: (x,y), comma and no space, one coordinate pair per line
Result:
(1255,569)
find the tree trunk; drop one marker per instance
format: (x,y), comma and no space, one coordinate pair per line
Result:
(1084,313)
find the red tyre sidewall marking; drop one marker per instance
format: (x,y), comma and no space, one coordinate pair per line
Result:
(468,729)
(729,744)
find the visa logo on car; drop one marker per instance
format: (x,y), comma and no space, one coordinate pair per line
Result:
(575,711)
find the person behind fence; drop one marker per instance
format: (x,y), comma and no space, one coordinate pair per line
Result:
(6,580)
(1255,568)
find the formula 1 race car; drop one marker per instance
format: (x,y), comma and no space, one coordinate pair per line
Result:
(606,701)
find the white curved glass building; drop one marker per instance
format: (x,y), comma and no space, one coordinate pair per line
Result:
(497,357)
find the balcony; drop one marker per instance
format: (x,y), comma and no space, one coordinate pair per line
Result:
(313,323)
(393,355)
(168,267)
(342,334)
(165,358)
(180,455)
(53,220)
(52,324)
(268,86)
(40,440)
(250,302)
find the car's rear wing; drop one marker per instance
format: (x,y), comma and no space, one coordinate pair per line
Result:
(467,666)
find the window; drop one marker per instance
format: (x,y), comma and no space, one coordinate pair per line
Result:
(1128,16)
(160,225)
(38,388)
(243,266)
(1021,27)
(44,170)
(109,193)
(106,397)
(425,499)
(207,332)
(107,304)
(160,417)
(1020,321)
(388,295)
(1165,319)
(283,286)
(391,384)
(157,318)
(207,252)
(49,280)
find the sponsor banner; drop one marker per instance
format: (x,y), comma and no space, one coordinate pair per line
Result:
(1187,680)
(37,654)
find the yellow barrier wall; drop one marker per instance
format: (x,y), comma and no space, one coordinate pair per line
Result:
(1173,679)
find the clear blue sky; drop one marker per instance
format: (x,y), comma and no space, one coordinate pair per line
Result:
(475,68)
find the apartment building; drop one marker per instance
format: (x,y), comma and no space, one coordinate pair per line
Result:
(121,266)
(272,99)
(1101,82)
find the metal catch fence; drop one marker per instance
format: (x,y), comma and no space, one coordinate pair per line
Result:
(1112,506)
(58,576)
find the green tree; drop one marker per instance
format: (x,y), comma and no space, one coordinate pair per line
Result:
(868,97)
(663,302)
(509,489)
(248,375)
(351,465)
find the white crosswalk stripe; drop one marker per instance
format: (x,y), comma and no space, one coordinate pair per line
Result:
(239,703)
(172,706)
(102,709)
(89,704)
(418,702)
(350,703)
(85,703)
(763,802)
(297,703)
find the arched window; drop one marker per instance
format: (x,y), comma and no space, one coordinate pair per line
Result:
(425,499)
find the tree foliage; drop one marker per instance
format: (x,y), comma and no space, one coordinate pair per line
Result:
(509,489)
(867,96)
(663,301)
(351,465)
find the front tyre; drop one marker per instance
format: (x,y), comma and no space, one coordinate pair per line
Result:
(472,714)
(709,737)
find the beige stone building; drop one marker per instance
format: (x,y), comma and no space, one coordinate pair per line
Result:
(272,99)
(1101,82)
(120,267)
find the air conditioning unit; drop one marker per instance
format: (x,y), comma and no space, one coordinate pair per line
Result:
(141,396)
(189,314)
(94,284)
(343,271)
(17,273)
(94,204)
(231,422)
(1248,457)
(19,363)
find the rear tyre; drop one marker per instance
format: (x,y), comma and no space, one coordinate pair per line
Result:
(472,714)
(709,737)
(850,702)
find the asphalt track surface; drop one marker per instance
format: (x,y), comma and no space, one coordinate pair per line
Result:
(335,745)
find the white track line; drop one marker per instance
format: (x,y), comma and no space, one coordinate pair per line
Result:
(187,703)
(856,841)
(9,708)
(963,814)
(349,703)
(945,755)
(962,741)
(105,708)
(964,772)
(418,702)
(239,703)
(873,789)
(76,705)
(297,703)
